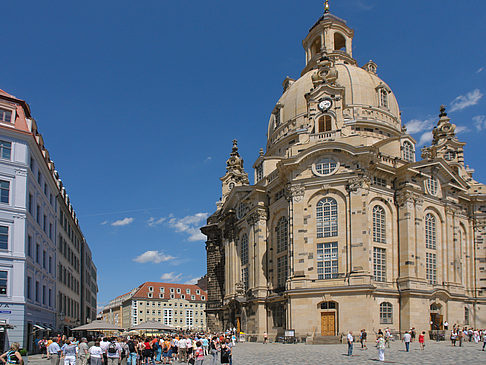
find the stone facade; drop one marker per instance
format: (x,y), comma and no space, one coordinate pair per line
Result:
(343,229)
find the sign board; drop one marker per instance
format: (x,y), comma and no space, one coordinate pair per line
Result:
(5,312)
(289,333)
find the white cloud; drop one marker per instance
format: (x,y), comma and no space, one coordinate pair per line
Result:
(190,225)
(464,101)
(481,69)
(209,158)
(480,122)
(191,281)
(425,138)
(171,276)
(104,222)
(418,125)
(152,222)
(461,128)
(122,222)
(155,257)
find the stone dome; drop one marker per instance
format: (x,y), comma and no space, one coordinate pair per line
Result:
(361,96)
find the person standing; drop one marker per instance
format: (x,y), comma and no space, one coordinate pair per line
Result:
(125,351)
(350,343)
(407,338)
(54,352)
(199,354)
(182,349)
(113,353)
(83,351)
(380,344)
(446,325)
(362,338)
(265,338)
(205,345)
(96,354)
(214,348)
(225,353)
(69,352)
(422,340)
(13,355)
(132,352)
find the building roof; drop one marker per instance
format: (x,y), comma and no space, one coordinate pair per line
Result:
(143,291)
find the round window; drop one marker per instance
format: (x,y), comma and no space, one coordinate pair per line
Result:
(325,166)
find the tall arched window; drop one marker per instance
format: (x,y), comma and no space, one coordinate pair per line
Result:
(430,232)
(339,42)
(327,218)
(244,249)
(379,224)
(282,234)
(408,152)
(386,313)
(325,123)
(384,98)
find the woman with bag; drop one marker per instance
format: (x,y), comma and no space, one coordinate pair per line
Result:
(225,353)
(380,344)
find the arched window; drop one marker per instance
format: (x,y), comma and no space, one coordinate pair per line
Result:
(316,47)
(379,224)
(282,233)
(408,152)
(386,313)
(244,249)
(325,124)
(339,42)
(432,185)
(384,98)
(327,218)
(430,232)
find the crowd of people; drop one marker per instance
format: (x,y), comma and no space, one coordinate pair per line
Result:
(140,350)
(457,335)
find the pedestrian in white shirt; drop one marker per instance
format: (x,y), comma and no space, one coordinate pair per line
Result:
(350,343)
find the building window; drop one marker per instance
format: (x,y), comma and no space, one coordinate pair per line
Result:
(279,316)
(379,264)
(277,117)
(198,291)
(327,260)
(244,249)
(150,288)
(3,282)
(183,296)
(188,291)
(408,152)
(4,191)
(29,287)
(282,233)
(449,155)
(3,238)
(466,316)
(202,297)
(189,317)
(384,98)
(282,271)
(37,253)
(328,305)
(178,290)
(379,224)
(432,185)
(29,246)
(44,295)
(386,313)
(244,278)
(37,293)
(430,232)
(150,295)
(431,267)
(327,218)
(168,316)
(193,297)
(37,214)
(326,166)
(325,124)
(5,115)
(5,150)
(172,290)
(259,172)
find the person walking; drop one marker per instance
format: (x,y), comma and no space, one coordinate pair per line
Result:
(214,348)
(96,354)
(54,352)
(362,337)
(12,356)
(199,354)
(350,343)
(380,344)
(422,340)
(453,337)
(407,337)
(113,353)
(132,352)
(182,349)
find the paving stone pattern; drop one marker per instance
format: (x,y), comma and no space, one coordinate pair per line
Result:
(435,353)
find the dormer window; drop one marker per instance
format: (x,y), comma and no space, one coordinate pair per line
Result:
(325,124)
(178,290)
(449,155)
(150,295)
(5,115)
(150,288)
(277,118)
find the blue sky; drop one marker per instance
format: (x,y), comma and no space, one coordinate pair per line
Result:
(138,102)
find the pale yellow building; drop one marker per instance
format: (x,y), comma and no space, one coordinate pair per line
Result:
(181,306)
(343,229)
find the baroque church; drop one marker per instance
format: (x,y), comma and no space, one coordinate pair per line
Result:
(342,228)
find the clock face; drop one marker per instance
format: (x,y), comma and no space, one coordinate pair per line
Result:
(325,104)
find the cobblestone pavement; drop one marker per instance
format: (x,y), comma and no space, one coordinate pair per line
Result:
(278,354)
(435,353)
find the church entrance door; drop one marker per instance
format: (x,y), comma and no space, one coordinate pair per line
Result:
(328,323)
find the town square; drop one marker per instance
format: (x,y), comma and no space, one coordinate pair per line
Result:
(248,183)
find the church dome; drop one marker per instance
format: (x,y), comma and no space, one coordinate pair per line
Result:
(362,95)
(357,100)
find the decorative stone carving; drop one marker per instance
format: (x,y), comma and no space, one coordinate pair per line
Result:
(296,192)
